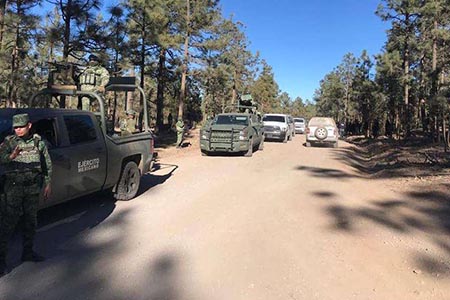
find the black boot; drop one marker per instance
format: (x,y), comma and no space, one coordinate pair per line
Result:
(30,255)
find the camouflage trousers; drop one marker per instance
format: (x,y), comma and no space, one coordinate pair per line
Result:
(18,206)
(179,138)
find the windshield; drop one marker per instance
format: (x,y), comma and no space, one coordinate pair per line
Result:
(297,120)
(230,119)
(274,119)
(5,128)
(321,122)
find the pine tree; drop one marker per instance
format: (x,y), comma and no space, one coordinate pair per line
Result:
(404,17)
(20,26)
(76,29)
(265,90)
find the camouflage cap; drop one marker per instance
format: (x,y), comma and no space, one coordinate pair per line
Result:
(20,120)
(131,112)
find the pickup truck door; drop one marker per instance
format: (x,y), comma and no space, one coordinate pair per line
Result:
(47,128)
(86,150)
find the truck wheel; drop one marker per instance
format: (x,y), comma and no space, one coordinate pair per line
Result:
(129,181)
(204,153)
(249,153)
(261,143)
(308,144)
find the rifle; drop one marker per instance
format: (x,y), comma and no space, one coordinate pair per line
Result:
(68,72)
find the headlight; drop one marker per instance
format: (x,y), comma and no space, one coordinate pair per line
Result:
(284,129)
(205,135)
(242,135)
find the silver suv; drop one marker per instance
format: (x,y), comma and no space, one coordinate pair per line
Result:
(322,131)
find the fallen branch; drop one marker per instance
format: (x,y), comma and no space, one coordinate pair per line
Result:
(430,158)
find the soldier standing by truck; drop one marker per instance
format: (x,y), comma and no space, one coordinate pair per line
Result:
(28,168)
(93,79)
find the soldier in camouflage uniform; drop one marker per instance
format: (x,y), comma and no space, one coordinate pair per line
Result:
(93,79)
(28,168)
(128,125)
(180,132)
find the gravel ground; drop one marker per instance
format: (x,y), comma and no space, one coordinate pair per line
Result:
(288,223)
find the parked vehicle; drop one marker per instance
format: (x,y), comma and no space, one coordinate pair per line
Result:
(233,132)
(299,125)
(85,157)
(278,127)
(322,130)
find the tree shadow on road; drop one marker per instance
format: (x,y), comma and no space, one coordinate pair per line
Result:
(417,211)
(59,223)
(325,173)
(72,257)
(86,247)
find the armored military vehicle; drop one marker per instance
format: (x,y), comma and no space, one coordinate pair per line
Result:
(241,131)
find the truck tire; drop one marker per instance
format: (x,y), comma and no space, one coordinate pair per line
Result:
(249,153)
(204,153)
(129,181)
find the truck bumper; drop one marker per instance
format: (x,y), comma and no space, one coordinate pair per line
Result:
(241,146)
(275,135)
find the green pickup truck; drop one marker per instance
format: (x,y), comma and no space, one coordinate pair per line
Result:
(233,133)
(86,157)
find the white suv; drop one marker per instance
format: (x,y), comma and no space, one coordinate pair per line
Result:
(300,125)
(278,127)
(322,131)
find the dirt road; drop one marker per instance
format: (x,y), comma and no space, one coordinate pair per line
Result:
(289,223)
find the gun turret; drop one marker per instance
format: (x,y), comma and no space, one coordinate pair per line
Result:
(63,74)
(245,104)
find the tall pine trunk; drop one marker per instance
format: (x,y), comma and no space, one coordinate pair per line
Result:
(160,91)
(2,21)
(182,95)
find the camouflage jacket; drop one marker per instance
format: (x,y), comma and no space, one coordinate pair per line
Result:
(128,125)
(180,126)
(33,157)
(92,77)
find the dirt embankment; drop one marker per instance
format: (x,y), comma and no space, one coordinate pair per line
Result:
(407,158)
(404,162)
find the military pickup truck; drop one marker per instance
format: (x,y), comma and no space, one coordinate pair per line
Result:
(86,157)
(233,132)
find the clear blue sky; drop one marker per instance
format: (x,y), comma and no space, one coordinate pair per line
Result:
(304,40)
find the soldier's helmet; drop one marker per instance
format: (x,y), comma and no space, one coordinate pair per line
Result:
(94,57)
(20,120)
(131,112)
